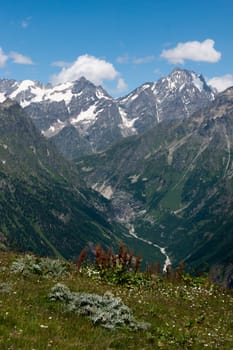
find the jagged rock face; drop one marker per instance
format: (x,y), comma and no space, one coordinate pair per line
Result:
(185,90)
(99,119)
(173,97)
(71,143)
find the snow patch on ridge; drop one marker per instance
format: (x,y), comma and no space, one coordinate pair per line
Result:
(100,94)
(127,125)
(2,97)
(154,90)
(54,129)
(39,96)
(60,93)
(87,116)
(32,92)
(197,82)
(171,84)
(145,86)
(130,97)
(22,86)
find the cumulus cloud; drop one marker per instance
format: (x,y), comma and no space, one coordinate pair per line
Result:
(92,68)
(193,51)
(221,83)
(121,85)
(19,58)
(3,58)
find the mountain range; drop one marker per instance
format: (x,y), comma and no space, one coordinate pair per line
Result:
(153,168)
(82,118)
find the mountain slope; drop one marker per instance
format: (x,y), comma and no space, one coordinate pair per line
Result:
(174,184)
(45,207)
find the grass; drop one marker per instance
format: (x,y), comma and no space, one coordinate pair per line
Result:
(186,314)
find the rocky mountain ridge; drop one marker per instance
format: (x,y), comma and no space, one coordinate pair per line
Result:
(82,118)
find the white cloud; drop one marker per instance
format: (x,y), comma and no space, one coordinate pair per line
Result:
(3,58)
(60,64)
(194,51)
(19,58)
(121,85)
(25,22)
(16,57)
(221,83)
(92,68)
(145,59)
(125,59)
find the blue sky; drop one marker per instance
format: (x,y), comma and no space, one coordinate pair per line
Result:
(119,44)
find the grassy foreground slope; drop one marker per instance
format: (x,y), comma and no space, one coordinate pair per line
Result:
(191,314)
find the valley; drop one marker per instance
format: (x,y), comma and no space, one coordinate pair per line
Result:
(152,169)
(167,262)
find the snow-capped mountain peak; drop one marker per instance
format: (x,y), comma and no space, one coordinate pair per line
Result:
(99,119)
(153,102)
(27,92)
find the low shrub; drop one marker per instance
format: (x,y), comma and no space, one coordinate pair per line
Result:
(5,288)
(107,311)
(29,264)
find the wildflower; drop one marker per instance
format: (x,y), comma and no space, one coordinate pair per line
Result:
(43,326)
(81,258)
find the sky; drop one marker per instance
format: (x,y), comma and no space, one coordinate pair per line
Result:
(119,44)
